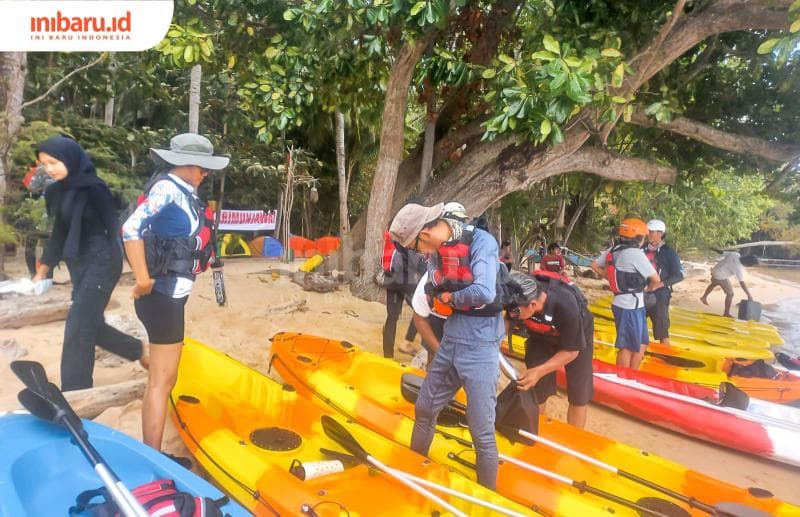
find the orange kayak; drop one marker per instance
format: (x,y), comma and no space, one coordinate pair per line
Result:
(366,388)
(248,431)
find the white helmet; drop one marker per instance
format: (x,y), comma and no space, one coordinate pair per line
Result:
(456,210)
(656,225)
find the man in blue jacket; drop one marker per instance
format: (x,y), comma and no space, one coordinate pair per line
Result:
(463,266)
(668,266)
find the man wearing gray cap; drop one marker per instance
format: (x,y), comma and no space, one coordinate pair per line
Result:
(168,241)
(463,266)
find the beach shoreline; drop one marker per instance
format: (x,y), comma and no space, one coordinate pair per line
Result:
(242,329)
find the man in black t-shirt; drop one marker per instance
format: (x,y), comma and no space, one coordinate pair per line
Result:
(560,334)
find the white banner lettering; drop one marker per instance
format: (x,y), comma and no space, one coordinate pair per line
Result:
(247,220)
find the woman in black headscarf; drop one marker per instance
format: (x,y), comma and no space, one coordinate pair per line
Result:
(85,236)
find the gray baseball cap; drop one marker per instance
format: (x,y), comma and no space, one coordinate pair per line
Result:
(190,149)
(409,221)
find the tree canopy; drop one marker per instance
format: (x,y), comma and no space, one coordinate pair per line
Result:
(695,100)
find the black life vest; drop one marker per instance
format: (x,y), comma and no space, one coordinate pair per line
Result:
(183,256)
(623,282)
(453,273)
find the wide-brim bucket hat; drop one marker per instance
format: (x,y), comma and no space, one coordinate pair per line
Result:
(190,149)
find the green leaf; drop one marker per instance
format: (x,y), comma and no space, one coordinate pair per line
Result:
(610,52)
(557,137)
(795,26)
(506,59)
(795,5)
(767,46)
(573,61)
(233,19)
(545,127)
(628,113)
(417,8)
(205,48)
(545,55)
(188,54)
(574,90)
(618,99)
(551,44)
(618,75)
(260,123)
(271,52)
(558,81)
(489,73)
(653,108)
(288,15)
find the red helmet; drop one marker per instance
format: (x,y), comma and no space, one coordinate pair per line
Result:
(632,228)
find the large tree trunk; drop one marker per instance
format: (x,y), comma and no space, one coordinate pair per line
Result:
(13,69)
(344,217)
(489,171)
(430,140)
(390,155)
(195,78)
(585,200)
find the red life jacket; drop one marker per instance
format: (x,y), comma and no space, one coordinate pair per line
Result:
(389,249)
(538,325)
(623,282)
(184,256)
(453,273)
(160,497)
(542,325)
(542,274)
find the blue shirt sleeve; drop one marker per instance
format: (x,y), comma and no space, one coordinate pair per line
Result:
(483,262)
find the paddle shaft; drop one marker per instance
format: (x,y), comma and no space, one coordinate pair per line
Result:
(691,501)
(126,501)
(456,493)
(582,486)
(414,486)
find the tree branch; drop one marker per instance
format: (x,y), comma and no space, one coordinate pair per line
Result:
(617,167)
(708,135)
(64,79)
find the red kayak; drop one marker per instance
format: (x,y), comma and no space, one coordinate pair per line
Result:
(754,426)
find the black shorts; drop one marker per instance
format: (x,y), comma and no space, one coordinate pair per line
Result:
(162,317)
(659,316)
(580,381)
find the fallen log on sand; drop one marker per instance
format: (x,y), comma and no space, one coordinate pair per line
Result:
(91,402)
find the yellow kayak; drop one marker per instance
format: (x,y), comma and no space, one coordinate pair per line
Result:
(688,348)
(716,324)
(249,432)
(366,388)
(679,330)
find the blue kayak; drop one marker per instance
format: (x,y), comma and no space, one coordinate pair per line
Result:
(41,472)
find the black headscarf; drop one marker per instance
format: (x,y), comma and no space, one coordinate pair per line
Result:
(81,175)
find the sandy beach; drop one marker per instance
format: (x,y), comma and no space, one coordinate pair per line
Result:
(242,329)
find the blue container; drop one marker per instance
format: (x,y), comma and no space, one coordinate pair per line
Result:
(41,472)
